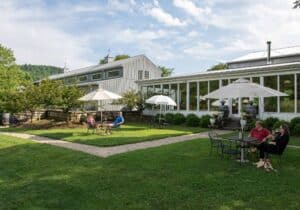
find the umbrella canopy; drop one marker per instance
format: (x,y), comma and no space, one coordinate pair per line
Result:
(99,95)
(217,103)
(244,88)
(161,100)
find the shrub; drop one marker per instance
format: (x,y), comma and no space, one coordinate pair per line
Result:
(293,123)
(170,118)
(269,122)
(192,120)
(296,130)
(179,119)
(83,118)
(279,123)
(157,117)
(204,121)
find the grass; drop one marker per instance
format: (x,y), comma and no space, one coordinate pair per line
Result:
(178,176)
(129,133)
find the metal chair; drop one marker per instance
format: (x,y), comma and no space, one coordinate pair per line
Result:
(215,142)
(230,147)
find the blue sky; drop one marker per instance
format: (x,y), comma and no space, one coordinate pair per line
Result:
(188,35)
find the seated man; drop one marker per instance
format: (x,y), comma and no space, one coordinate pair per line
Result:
(259,132)
(117,123)
(276,146)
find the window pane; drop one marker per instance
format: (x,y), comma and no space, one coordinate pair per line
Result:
(173,92)
(82,78)
(97,76)
(256,80)
(115,73)
(157,89)
(203,90)
(224,82)
(287,86)
(270,102)
(140,75)
(193,96)
(182,96)
(165,90)
(147,75)
(213,85)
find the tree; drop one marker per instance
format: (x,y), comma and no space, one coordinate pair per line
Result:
(32,99)
(6,56)
(121,57)
(131,99)
(296,4)
(166,72)
(219,66)
(69,99)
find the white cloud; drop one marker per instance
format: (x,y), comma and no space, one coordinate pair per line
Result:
(162,16)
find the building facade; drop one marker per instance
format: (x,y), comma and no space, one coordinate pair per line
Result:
(280,72)
(115,76)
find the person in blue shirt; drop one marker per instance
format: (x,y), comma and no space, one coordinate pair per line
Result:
(116,124)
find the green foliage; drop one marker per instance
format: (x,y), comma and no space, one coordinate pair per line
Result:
(205,121)
(269,122)
(68,98)
(278,123)
(102,61)
(294,122)
(166,72)
(130,99)
(296,129)
(6,56)
(179,119)
(192,120)
(83,118)
(121,57)
(38,72)
(219,66)
(170,118)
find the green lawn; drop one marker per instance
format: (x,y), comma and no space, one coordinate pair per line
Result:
(178,176)
(129,133)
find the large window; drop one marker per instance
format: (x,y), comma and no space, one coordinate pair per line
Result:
(83,78)
(140,74)
(224,82)
(165,90)
(256,80)
(193,96)
(147,75)
(114,73)
(182,96)
(203,90)
(270,102)
(173,92)
(70,80)
(157,89)
(213,85)
(150,91)
(97,76)
(287,86)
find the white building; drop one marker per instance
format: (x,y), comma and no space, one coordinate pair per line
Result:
(278,69)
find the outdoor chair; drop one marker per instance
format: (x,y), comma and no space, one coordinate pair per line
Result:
(91,127)
(230,147)
(215,142)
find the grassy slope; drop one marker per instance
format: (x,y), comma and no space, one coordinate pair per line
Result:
(129,133)
(179,176)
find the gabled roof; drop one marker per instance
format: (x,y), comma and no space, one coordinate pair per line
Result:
(280,52)
(98,67)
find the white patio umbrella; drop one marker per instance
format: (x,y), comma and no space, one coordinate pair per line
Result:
(217,103)
(100,95)
(161,100)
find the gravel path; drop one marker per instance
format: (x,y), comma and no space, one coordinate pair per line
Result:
(109,151)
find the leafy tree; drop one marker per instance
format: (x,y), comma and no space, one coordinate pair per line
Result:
(102,61)
(11,80)
(130,99)
(50,93)
(296,4)
(39,72)
(219,66)
(69,96)
(121,57)
(32,99)
(166,72)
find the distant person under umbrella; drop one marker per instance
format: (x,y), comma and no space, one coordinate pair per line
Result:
(251,110)
(116,124)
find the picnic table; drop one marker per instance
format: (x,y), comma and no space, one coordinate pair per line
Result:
(244,142)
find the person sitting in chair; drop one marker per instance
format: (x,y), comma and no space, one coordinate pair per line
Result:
(259,132)
(276,146)
(117,123)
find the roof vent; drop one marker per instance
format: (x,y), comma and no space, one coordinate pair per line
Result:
(269,52)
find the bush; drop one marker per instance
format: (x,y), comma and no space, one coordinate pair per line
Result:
(157,117)
(293,123)
(83,118)
(269,122)
(169,118)
(296,130)
(279,123)
(179,119)
(192,120)
(204,121)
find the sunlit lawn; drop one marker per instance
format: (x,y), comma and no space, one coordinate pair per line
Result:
(177,176)
(129,133)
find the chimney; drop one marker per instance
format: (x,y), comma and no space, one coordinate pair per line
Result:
(269,52)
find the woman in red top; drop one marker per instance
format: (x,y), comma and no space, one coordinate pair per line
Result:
(259,132)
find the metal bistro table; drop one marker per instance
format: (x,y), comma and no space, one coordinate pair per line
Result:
(244,141)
